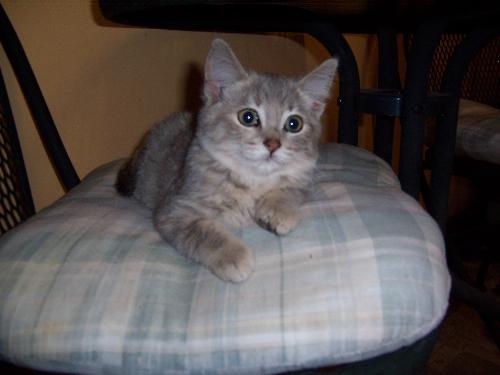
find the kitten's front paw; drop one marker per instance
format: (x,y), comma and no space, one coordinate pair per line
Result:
(277,219)
(233,263)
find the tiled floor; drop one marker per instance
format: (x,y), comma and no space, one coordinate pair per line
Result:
(464,344)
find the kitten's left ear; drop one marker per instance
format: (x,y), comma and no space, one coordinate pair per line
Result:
(222,68)
(318,83)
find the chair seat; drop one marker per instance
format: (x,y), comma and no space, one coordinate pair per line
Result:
(88,286)
(478,132)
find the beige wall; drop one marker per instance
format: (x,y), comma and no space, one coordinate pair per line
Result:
(365,51)
(106,85)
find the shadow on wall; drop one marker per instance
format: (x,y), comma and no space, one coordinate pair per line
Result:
(194,88)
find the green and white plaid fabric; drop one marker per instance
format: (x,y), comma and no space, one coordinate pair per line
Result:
(87,285)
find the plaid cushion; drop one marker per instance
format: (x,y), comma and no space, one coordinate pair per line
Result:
(88,286)
(478,131)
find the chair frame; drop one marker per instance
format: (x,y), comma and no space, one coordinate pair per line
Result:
(443,159)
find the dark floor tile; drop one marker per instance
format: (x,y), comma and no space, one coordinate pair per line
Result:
(464,345)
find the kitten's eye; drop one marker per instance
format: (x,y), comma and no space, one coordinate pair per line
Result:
(248,117)
(294,124)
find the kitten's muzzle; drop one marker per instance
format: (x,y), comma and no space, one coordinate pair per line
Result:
(272,144)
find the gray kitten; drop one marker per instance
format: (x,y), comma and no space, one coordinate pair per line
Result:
(250,156)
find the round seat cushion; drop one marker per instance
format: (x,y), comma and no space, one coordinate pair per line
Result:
(478,131)
(88,286)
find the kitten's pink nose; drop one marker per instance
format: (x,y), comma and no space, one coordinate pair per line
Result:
(272,144)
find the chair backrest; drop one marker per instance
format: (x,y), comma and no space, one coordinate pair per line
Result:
(16,203)
(481,82)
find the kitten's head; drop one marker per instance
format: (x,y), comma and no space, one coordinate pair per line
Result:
(261,124)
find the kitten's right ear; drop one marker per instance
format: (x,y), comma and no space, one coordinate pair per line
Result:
(222,68)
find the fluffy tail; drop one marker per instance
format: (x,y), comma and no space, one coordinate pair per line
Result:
(126,180)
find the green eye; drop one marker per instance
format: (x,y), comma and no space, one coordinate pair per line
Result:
(294,124)
(248,117)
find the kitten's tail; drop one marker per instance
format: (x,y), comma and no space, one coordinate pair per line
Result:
(126,180)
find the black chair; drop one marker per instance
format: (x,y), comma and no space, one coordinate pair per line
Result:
(16,204)
(352,100)
(468,64)
(16,200)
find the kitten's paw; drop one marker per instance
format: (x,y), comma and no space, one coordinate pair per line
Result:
(233,264)
(277,219)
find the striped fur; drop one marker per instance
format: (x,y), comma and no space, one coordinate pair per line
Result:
(202,182)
